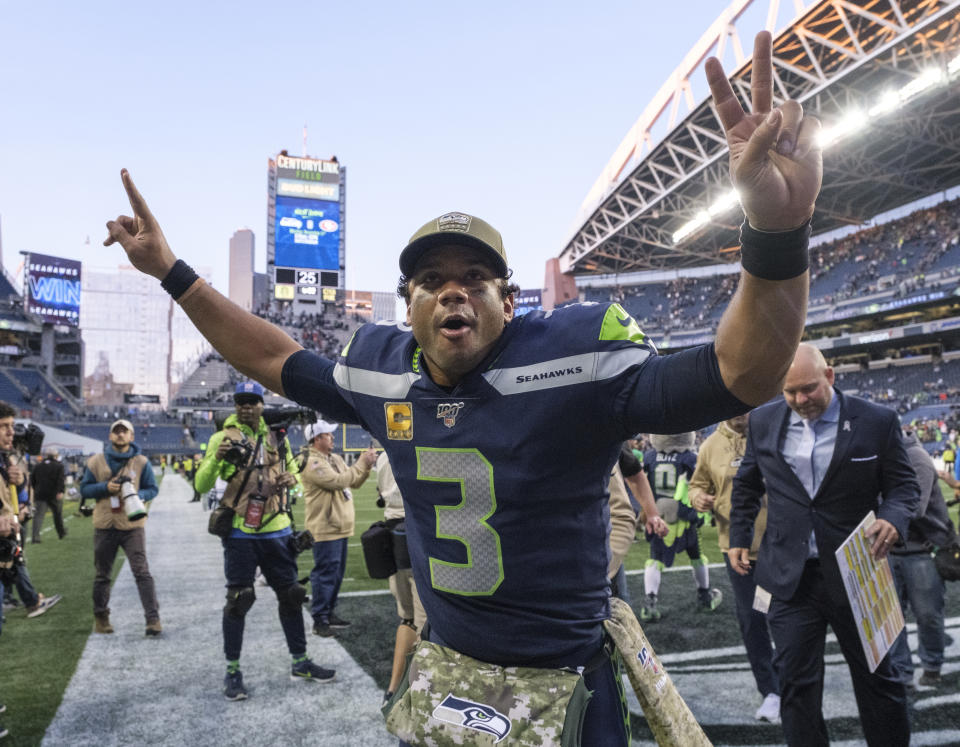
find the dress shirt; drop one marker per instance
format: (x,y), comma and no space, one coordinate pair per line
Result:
(825,430)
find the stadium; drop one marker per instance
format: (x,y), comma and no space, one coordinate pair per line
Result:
(657,233)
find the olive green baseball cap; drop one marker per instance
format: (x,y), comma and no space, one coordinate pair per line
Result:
(458,229)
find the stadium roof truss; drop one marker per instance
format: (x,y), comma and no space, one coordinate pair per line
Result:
(837,56)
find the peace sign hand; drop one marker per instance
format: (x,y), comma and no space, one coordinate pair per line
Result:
(776,162)
(140,236)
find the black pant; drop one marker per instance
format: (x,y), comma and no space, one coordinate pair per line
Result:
(799,629)
(56,508)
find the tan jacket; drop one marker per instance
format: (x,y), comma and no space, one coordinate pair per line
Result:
(9,504)
(623,521)
(329,511)
(103,517)
(717,464)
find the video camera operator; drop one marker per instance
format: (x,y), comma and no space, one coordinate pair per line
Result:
(121,481)
(256,530)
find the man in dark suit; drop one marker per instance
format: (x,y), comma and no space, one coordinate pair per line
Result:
(824,459)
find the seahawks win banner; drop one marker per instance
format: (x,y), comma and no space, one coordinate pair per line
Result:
(52,288)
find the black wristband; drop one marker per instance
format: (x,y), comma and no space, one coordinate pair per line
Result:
(775,256)
(180,277)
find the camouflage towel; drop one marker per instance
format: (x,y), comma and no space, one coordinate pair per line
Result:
(447,698)
(669,719)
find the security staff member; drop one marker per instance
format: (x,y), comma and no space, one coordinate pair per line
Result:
(247,456)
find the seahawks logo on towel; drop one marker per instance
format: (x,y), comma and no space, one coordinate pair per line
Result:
(470,715)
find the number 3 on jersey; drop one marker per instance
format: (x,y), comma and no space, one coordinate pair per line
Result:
(466,522)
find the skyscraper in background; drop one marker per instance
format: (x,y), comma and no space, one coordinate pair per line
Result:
(147,339)
(241,268)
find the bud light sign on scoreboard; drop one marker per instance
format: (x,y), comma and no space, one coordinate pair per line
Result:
(52,289)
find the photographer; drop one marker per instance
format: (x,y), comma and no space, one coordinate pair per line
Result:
(14,441)
(258,470)
(330,518)
(121,481)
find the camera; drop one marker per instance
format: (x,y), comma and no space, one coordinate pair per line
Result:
(131,499)
(281,417)
(85,510)
(9,550)
(300,541)
(239,453)
(28,439)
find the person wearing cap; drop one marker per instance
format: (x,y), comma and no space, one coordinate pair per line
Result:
(330,515)
(474,406)
(257,471)
(48,481)
(102,482)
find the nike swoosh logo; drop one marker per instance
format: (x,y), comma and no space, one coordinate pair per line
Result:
(625,322)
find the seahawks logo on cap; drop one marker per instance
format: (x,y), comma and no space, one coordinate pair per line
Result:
(470,715)
(454,222)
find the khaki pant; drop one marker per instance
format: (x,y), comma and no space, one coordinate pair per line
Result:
(408,601)
(106,542)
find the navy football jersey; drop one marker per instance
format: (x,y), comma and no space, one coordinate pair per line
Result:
(665,470)
(504,477)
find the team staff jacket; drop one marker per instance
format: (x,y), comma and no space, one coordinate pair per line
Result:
(505,476)
(101,468)
(717,464)
(262,480)
(330,513)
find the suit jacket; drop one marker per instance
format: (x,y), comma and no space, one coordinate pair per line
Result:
(869,461)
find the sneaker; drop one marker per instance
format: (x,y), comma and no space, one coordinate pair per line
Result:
(10,604)
(154,629)
(929,679)
(769,710)
(101,623)
(338,623)
(709,599)
(650,612)
(42,605)
(3,707)
(4,731)
(307,670)
(324,629)
(233,688)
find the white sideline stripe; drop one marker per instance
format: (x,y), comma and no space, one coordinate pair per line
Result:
(130,690)
(937,701)
(716,653)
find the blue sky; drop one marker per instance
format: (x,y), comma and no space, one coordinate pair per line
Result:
(505,110)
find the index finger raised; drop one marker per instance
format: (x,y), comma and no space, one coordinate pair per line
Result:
(137,203)
(728,106)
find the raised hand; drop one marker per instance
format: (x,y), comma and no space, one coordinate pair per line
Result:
(140,236)
(775,157)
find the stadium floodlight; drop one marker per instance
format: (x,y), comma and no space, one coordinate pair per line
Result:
(724,203)
(953,66)
(927,79)
(701,219)
(888,102)
(851,122)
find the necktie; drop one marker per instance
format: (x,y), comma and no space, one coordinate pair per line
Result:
(804,467)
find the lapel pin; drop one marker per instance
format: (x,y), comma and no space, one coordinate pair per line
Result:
(846,425)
